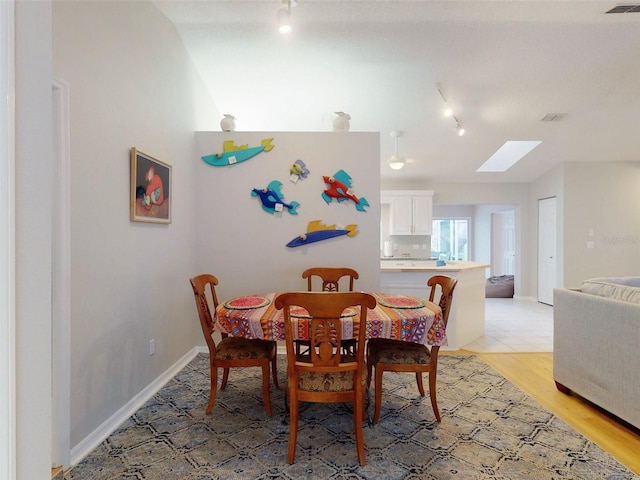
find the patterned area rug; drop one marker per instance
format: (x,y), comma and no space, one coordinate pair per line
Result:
(489,430)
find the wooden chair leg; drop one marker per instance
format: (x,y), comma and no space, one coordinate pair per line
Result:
(378,396)
(225,377)
(214,388)
(358,413)
(432,394)
(265,388)
(369,371)
(293,427)
(274,370)
(420,385)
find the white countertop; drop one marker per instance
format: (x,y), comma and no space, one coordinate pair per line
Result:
(419,265)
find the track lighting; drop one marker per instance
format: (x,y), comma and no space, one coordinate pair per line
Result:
(448,111)
(284,18)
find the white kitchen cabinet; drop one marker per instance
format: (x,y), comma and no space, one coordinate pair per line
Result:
(410,211)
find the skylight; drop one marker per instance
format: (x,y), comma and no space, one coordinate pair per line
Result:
(507,155)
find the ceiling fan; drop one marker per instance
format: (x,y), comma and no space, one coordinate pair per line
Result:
(396,162)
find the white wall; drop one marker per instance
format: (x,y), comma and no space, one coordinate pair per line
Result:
(604,198)
(33,239)
(245,247)
(132,84)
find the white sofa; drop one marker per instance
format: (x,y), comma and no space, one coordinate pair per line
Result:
(596,344)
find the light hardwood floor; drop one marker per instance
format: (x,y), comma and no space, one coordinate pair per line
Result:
(533,373)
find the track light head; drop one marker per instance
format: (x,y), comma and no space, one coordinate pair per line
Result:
(284,17)
(284,21)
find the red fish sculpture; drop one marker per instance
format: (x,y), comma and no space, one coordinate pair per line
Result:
(340,189)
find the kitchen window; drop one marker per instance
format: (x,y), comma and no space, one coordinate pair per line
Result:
(450,239)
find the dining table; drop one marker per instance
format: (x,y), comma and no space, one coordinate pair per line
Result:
(398,317)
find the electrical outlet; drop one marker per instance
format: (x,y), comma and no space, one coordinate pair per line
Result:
(152,346)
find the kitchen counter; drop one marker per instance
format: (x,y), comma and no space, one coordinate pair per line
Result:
(407,276)
(423,265)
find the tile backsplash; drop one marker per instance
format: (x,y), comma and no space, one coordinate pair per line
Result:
(408,245)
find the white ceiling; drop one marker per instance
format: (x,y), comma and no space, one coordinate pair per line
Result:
(502,64)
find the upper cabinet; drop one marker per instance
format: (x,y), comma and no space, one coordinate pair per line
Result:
(410,211)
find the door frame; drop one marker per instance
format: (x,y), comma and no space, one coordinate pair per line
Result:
(61,280)
(7,244)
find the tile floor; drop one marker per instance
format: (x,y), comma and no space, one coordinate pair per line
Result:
(513,325)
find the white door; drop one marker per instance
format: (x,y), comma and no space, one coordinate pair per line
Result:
(508,243)
(546,249)
(503,241)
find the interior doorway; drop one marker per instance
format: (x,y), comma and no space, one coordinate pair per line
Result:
(503,245)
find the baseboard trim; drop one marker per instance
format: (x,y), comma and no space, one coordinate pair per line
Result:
(95,438)
(522,297)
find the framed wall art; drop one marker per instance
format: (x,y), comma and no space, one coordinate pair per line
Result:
(150,188)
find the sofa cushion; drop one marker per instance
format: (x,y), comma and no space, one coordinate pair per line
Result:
(626,289)
(628,281)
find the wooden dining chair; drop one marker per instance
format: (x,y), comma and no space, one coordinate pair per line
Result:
(387,355)
(326,375)
(231,351)
(329,279)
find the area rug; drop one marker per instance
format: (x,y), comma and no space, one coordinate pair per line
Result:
(489,430)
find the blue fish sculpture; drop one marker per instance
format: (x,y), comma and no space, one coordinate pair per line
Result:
(317,231)
(272,196)
(232,154)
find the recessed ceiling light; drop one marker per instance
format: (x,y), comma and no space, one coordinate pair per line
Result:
(507,155)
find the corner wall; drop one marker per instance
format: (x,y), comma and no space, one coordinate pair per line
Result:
(602,205)
(132,84)
(33,217)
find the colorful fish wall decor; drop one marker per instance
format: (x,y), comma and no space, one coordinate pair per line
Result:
(317,231)
(340,189)
(298,170)
(232,154)
(273,200)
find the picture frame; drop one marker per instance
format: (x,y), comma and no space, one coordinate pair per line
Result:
(150,188)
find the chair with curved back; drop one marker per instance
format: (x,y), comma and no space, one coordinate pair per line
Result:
(387,355)
(326,375)
(329,279)
(231,351)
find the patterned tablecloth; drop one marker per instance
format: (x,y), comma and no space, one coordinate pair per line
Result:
(397,317)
